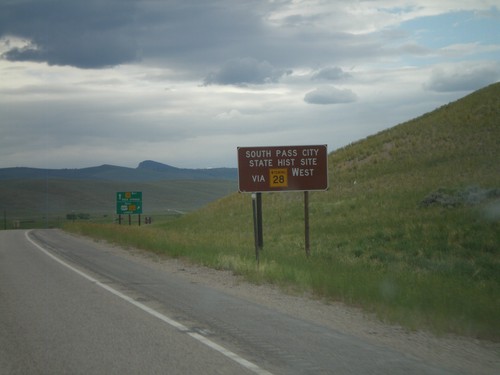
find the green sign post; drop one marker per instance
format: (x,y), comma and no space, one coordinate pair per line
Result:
(129,202)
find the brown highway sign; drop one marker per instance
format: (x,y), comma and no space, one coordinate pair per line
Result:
(282,168)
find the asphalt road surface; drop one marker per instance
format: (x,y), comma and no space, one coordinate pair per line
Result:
(68,306)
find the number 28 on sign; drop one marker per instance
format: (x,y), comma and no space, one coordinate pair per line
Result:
(278,177)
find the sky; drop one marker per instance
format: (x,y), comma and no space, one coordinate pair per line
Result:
(185,82)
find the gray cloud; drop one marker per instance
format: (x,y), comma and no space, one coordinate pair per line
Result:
(89,34)
(330,74)
(330,95)
(245,71)
(183,34)
(96,33)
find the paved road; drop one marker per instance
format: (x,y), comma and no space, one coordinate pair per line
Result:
(69,306)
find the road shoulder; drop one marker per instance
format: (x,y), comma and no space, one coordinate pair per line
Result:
(458,354)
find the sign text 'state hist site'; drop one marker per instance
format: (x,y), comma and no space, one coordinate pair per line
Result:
(285,168)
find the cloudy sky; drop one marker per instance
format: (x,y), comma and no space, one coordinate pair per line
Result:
(184,82)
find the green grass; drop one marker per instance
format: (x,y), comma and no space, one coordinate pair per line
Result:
(438,271)
(373,244)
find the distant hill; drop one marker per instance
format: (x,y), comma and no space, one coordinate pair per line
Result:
(146,171)
(190,174)
(33,193)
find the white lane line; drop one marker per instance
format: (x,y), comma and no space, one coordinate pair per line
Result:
(181,327)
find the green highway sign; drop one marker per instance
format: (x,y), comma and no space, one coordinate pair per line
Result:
(129,202)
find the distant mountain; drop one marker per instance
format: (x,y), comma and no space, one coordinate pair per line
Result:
(196,174)
(146,171)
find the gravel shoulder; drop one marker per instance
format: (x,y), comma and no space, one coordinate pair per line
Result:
(458,354)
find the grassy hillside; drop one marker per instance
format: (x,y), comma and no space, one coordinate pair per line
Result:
(410,228)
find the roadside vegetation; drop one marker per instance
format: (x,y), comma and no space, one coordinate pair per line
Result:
(409,229)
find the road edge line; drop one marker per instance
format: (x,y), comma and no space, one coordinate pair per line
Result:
(179,326)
